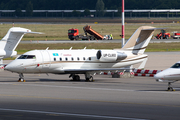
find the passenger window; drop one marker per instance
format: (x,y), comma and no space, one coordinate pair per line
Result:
(66,59)
(89,58)
(72,58)
(77,58)
(54,59)
(84,58)
(60,59)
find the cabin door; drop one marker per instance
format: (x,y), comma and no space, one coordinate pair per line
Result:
(46,59)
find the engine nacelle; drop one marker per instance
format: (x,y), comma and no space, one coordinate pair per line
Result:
(110,55)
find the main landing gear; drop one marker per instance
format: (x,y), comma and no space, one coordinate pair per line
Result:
(21,78)
(170,88)
(88,77)
(75,77)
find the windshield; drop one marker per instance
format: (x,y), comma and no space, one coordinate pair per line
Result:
(177,65)
(27,57)
(70,31)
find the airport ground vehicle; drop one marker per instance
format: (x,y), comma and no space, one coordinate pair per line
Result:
(163,35)
(89,34)
(176,35)
(108,37)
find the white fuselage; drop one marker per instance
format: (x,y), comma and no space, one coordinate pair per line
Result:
(169,75)
(57,61)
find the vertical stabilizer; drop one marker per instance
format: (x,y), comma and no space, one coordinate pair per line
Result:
(13,37)
(10,41)
(138,42)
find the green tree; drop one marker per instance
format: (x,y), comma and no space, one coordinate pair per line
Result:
(2,6)
(29,9)
(100,8)
(76,13)
(18,12)
(87,12)
(119,12)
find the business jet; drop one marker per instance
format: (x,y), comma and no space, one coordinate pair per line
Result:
(169,75)
(10,41)
(84,61)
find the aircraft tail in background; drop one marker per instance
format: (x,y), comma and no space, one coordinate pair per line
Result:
(138,42)
(10,41)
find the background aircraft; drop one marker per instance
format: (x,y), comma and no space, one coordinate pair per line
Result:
(87,62)
(10,41)
(169,75)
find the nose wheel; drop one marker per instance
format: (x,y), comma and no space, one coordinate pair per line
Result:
(170,88)
(21,78)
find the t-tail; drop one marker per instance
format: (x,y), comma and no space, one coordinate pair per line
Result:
(138,42)
(10,41)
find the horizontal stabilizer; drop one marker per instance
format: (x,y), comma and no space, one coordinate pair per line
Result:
(154,29)
(27,32)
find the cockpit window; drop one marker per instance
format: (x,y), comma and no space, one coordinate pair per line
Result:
(31,57)
(177,65)
(22,57)
(27,57)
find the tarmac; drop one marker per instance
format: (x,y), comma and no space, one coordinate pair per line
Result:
(57,97)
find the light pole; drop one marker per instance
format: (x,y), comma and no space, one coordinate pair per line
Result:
(123,40)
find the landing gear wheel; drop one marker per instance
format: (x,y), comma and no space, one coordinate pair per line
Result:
(76,78)
(169,87)
(21,78)
(89,79)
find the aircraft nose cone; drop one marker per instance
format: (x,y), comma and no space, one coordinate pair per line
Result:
(158,76)
(9,68)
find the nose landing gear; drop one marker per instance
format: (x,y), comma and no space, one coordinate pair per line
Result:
(170,88)
(21,78)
